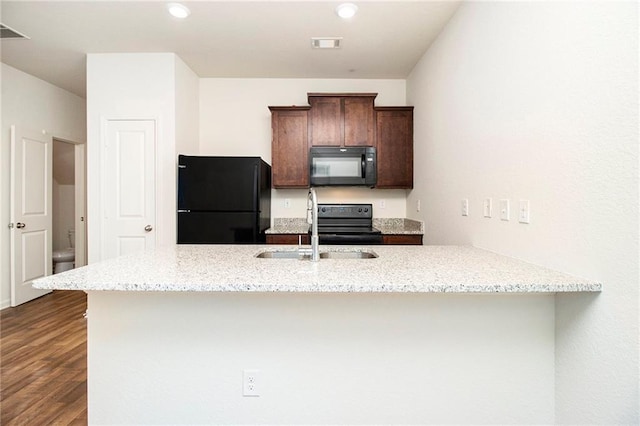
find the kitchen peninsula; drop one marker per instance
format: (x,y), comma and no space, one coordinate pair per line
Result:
(381,340)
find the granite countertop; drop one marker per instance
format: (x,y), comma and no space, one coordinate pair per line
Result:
(388,226)
(289,225)
(234,268)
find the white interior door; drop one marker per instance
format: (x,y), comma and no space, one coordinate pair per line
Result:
(31,219)
(128,187)
(80,205)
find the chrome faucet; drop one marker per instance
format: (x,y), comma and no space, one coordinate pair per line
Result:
(312,203)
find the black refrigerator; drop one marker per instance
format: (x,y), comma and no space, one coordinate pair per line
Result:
(223,200)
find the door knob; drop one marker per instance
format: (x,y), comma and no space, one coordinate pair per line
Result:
(148,228)
(20,225)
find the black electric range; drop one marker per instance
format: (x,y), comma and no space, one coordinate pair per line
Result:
(347,224)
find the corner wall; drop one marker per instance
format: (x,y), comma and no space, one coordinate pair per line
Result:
(156,86)
(539,101)
(35,104)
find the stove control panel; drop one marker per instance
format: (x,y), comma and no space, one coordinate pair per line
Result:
(345,211)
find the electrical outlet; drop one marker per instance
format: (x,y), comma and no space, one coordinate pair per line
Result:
(418,205)
(251,383)
(504,209)
(464,206)
(287,203)
(383,204)
(486,207)
(524,212)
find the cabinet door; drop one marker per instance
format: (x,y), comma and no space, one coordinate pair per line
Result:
(289,147)
(394,127)
(359,122)
(326,121)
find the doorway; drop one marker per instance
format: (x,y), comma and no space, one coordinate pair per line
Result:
(68,235)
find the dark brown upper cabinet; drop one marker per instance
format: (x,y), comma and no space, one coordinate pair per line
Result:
(290,147)
(395,147)
(342,119)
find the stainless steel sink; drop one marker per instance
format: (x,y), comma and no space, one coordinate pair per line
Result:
(294,254)
(347,255)
(281,255)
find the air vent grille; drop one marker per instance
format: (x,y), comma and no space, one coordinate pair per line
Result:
(10,33)
(326,42)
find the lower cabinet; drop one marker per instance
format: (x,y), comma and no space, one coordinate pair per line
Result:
(292,239)
(411,239)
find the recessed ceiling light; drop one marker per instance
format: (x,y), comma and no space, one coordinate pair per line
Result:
(346,10)
(178,10)
(326,42)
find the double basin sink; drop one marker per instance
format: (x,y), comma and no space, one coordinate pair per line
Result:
(294,254)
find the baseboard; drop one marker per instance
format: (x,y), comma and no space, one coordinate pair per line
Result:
(5,304)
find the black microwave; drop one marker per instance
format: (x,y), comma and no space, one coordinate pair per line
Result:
(342,166)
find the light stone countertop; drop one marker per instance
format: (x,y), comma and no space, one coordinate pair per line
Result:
(388,226)
(289,225)
(401,269)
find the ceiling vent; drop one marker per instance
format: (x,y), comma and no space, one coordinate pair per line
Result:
(326,42)
(8,33)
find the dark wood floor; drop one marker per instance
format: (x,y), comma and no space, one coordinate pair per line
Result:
(43,361)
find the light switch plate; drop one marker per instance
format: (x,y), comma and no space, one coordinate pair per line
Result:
(524,212)
(486,207)
(504,209)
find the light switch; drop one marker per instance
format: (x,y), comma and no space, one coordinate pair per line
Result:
(486,207)
(523,211)
(504,209)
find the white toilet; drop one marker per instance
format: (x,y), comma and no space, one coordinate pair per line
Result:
(63,260)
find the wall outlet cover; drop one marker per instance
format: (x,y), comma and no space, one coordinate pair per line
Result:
(251,383)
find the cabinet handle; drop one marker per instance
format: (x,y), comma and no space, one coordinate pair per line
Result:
(148,228)
(20,225)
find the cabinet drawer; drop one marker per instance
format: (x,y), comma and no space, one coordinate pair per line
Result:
(290,239)
(402,239)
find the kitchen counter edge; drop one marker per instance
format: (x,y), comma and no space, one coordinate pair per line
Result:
(234,268)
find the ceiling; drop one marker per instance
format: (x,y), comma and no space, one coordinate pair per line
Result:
(242,39)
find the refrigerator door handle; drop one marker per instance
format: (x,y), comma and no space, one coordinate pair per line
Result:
(184,211)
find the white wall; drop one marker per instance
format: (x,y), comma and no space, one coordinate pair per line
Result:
(155,86)
(235,120)
(539,101)
(34,104)
(187,110)
(177,358)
